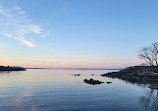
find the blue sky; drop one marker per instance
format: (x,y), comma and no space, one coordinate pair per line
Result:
(76,33)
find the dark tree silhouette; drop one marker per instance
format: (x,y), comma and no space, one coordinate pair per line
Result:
(154,52)
(149,54)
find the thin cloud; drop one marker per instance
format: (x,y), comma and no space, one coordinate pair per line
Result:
(16,25)
(21,39)
(35,28)
(5,12)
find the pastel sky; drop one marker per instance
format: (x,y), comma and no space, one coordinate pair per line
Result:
(76,33)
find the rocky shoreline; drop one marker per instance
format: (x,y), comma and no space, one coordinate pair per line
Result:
(139,74)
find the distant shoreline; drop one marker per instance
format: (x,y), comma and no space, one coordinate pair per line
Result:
(75,68)
(17,68)
(8,68)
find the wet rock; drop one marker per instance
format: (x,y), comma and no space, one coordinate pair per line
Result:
(108,82)
(92,81)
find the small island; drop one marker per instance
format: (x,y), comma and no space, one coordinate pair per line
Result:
(137,74)
(8,68)
(146,73)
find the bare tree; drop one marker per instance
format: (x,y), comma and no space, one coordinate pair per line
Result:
(145,54)
(149,54)
(154,52)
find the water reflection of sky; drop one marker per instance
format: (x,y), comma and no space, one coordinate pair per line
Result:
(53,90)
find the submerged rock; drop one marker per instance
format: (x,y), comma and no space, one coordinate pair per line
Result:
(92,81)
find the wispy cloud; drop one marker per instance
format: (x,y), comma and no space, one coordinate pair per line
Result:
(15,24)
(19,38)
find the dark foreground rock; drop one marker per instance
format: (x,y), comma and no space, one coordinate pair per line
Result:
(8,68)
(92,81)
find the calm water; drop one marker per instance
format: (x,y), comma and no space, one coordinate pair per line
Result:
(57,90)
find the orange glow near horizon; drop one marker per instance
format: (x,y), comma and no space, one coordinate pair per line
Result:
(71,63)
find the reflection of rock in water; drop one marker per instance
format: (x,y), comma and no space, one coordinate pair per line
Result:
(154,86)
(150,100)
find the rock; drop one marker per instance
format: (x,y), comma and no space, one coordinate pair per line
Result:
(76,74)
(92,81)
(92,74)
(108,82)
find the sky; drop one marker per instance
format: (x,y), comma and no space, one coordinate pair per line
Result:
(76,33)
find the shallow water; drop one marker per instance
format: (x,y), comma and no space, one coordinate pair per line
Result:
(58,90)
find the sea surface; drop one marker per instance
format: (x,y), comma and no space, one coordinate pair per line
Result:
(59,90)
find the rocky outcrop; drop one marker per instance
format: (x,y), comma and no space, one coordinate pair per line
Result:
(141,74)
(108,82)
(92,81)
